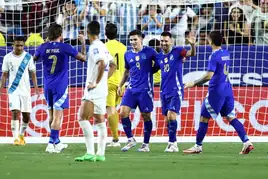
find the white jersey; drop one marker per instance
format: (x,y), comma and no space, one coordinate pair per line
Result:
(18,68)
(97,51)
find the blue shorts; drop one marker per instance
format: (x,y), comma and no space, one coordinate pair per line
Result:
(215,104)
(170,103)
(57,99)
(144,100)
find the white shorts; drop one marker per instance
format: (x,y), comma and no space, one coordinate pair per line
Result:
(99,103)
(20,103)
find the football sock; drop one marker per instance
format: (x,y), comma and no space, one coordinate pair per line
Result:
(148,125)
(201,133)
(54,137)
(127,127)
(88,135)
(113,122)
(23,127)
(15,124)
(102,135)
(239,129)
(172,130)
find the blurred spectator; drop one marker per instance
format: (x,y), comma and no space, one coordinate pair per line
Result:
(221,15)
(176,18)
(152,23)
(206,22)
(95,10)
(128,18)
(35,38)
(69,20)
(260,23)
(155,43)
(2,40)
(237,28)
(247,7)
(13,9)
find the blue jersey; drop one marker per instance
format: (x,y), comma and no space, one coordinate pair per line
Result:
(55,57)
(219,62)
(140,66)
(171,71)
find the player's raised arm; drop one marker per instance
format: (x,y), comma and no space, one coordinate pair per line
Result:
(82,56)
(192,51)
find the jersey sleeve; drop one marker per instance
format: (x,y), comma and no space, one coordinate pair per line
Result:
(5,65)
(155,63)
(181,51)
(70,50)
(212,63)
(126,62)
(31,65)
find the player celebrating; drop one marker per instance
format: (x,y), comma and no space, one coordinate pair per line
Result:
(17,65)
(55,57)
(117,50)
(220,97)
(94,99)
(170,62)
(138,66)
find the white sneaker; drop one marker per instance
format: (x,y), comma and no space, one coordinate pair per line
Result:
(196,149)
(144,148)
(130,144)
(60,147)
(172,147)
(50,148)
(114,144)
(247,147)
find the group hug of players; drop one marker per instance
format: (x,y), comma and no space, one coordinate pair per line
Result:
(109,67)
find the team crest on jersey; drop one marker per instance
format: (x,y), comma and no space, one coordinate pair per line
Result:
(161,62)
(143,56)
(166,60)
(95,51)
(171,57)
(137,58)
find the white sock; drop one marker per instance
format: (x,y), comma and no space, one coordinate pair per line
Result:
(15,124)
(102,135)
(89,136)
(23,127)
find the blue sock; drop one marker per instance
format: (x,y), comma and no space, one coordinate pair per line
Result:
(172,130)
(239,129)
(148,126)
(54,137)
(127,127)
(201,133)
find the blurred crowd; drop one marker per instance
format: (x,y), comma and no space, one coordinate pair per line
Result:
(241,22)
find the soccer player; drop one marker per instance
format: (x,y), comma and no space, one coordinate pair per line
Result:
(139,68)
(55,57)
(117,50)
(17,65)
(95,94)
(170,61)
(220,98)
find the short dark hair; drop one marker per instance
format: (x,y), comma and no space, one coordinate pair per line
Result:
(54,31)
(155,43)
(19,38)
(136,32)
(216,38)
(111,31)
(93,28)
(165,34)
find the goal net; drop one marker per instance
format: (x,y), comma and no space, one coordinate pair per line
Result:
(243,23)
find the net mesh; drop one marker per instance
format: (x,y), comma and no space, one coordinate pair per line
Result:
(243,23)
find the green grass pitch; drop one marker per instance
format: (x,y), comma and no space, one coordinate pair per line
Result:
(218,161)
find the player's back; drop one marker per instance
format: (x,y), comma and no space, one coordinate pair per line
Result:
(171,71)
(55,57)
(140,69)
(117,50)
(98,51)
(219,63)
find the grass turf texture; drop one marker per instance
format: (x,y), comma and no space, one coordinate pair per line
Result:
(219,160)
